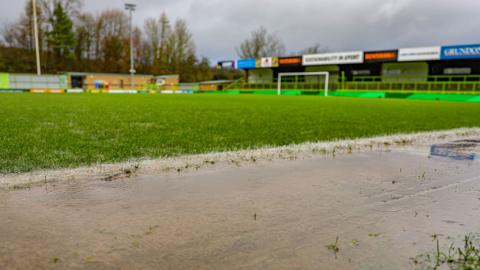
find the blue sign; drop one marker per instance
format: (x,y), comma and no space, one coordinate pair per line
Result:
(460,52)
(247,63)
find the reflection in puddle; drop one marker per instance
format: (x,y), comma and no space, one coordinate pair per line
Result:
(459,150)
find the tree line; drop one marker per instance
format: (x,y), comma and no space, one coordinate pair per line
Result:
(74,40)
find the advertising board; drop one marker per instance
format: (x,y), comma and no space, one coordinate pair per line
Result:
(460,52)
(226,65)
(381,56)
(333,58)
(290,61)
(419,54)
(267,62)
(247,63)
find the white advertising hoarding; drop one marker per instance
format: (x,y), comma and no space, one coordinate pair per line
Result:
(419,54)
(333,58)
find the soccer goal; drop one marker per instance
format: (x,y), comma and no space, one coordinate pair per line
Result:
(308,77)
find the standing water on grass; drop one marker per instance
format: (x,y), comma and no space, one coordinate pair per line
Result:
(361,211)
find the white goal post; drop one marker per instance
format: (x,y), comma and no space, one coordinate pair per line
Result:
(290,74)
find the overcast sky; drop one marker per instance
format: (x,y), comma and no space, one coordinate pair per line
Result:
(219,26)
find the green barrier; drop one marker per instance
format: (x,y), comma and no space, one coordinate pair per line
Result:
(397,95)
(265,92)
(411,96)
(246,92)
(474,99)
(445,97)
(204,92)
(291,93)
(275,92)
(227,92)
(231,92)
(313,93)
(357,94)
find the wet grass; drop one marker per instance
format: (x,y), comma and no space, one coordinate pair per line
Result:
(464,257)
(64,131)
(334,248)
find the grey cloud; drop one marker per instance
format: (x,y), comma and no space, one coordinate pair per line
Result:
(220,25)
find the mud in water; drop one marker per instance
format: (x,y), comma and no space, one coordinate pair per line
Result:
(383,207)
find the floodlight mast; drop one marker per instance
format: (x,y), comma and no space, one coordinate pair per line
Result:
(131,9)
(35,30)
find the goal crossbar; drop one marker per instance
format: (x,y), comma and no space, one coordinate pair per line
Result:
(290,74)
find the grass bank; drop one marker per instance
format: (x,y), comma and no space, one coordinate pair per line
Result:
(62,131)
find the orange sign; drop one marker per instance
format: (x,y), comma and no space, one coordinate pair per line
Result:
(290,61)
(381,56)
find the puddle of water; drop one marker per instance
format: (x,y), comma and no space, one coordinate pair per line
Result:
(383,207)
(460,150)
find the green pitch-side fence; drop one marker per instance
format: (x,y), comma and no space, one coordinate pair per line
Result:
(451,88)
(425,84)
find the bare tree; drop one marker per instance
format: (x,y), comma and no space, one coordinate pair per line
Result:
(158,35)
(111,39)
(181,48)
(10,35)
(152,35)
(101,43)
(314,49)
(85,35)
(261,44)
(141,53)
(71,7)
(20,33)
(165,32)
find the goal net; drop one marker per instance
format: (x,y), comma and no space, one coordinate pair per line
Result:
(309,80)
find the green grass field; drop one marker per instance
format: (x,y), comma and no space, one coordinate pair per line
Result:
(61,131)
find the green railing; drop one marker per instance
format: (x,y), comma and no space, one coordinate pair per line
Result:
(391,83)
(437,87)
(418,78)
(415,83)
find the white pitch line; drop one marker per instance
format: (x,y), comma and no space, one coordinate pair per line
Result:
(242,157)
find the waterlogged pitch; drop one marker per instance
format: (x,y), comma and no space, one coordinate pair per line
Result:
(63,131)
